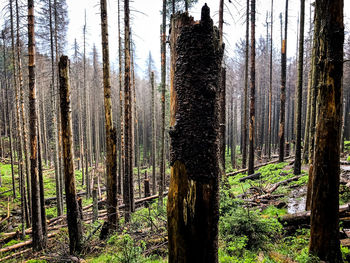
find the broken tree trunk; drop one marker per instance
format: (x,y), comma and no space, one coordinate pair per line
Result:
(193,194)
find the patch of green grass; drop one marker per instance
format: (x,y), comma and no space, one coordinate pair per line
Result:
(273,211)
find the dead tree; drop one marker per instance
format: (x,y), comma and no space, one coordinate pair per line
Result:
(283,88)
(297,163)
(252,92)
(193,194)
(73,214)
(37,231)
(324,235)
(111,154)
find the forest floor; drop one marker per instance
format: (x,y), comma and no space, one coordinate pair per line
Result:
(262,219)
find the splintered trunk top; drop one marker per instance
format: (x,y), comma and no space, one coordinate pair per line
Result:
(193,208)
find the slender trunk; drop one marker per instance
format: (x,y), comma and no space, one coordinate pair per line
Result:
(270,88)
(73,215)
(297,162)
(111,154)
(281,133)
(154,138)
(163,80)
(128,177)
(252,92)
(245,106)
(37,231)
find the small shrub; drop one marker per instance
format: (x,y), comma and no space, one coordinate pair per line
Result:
(243,229)
(128,251)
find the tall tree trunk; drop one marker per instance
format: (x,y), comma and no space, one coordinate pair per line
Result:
(163,79)
(252,92)
(37,231)
(73,214)
(193,194)
(111,154)
(154,138)
(324,234)
(55,114)
(128,177)
(270,88)
(297,162)
(9,116)
(245,106)
(281,133)
(121,117)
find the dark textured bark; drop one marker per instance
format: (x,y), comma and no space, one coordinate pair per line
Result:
(281,133)
(73,215)
(162,135)
(269,135)
(324,235)
(37,231)
(315,71)
(252,92)
(121,116)
(128,189)
(154,142)
(193,194)
(245,106)
(111,154)
(297,162)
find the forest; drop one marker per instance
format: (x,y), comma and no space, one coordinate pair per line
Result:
(222,151)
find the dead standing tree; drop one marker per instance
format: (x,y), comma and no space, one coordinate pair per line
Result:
(193,194)
(111,155)
(37,231)
(73,214)
(324,235)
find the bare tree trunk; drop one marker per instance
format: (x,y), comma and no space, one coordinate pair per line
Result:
(297,162)
(128,177)
(245,106)
(252,92)
(270,89)
(111,154)
(9,114)
(55,114)
(154,138)
(283,88)
(73,214)
(193,194)
(121,117)
(37,231)
(163,80)
(324,234)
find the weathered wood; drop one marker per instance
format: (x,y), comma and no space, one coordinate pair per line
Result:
(250,177)
(276,185)
(73,214)
(192,207)
(303,218)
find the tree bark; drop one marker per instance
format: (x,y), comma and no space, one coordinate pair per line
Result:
(193,194)
(38,240)
(324,235)
(245,106)
(281,133)
(297,162)
(73,215)
(128,190)
(111,154)
(270,88)
(252,93)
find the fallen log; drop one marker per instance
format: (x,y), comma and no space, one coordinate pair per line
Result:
(22,244)
(5,191)
(49,200)
(250,177)
(13,255)
(303,218)
(276,185)
(256,166)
